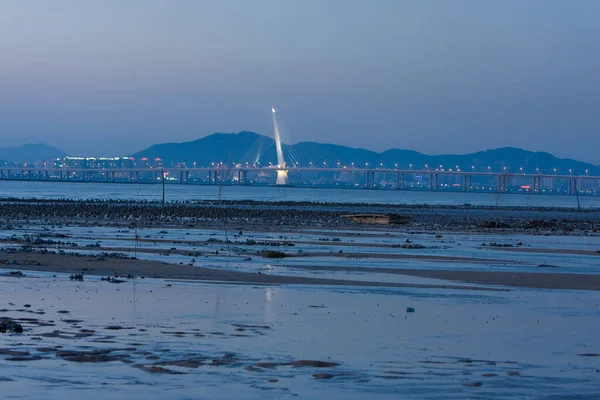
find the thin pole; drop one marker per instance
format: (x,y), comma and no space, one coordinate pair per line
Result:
(163,187)
(576,194)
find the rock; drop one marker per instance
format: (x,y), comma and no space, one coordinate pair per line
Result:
(313,363)
(14,353)
(10,326)
(157,370)
(323,376)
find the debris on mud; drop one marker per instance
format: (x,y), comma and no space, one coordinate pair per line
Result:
(76,277)
(273,254)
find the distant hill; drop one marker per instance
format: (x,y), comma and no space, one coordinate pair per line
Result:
(249,147)
(30,153)
(218,147)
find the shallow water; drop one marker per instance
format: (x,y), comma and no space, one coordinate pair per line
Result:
(208,247)
(450,341)
(105,191)
(518,343)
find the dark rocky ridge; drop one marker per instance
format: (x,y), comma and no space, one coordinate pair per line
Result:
(244,213)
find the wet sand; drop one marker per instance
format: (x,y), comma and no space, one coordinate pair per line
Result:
(153,269)
(72,264)
(517,279)
(223,315)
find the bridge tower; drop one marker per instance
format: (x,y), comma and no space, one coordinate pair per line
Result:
(282,174)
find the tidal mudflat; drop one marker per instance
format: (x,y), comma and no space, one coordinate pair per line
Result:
(496,304)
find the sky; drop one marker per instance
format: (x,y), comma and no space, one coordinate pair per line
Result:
(114,76)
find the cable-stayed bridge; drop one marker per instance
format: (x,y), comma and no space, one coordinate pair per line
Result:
(292,168)
(322,176)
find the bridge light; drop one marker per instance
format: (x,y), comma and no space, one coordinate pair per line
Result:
(410,165)
(586,171)
(570,171)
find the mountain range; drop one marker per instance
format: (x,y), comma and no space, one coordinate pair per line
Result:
(252,148)
(30,153)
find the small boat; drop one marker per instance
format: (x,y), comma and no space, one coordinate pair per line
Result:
(379,219)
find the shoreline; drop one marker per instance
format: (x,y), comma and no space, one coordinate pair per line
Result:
(71,264)
(301,215)
(295,203)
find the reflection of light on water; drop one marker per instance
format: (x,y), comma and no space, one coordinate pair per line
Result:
(217,301)
(134,301)
(269,298)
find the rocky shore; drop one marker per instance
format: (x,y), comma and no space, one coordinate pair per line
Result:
(532,220)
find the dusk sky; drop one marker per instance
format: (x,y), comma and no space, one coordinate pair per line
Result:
(114,76)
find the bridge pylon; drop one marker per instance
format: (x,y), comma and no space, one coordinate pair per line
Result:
(282,174)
